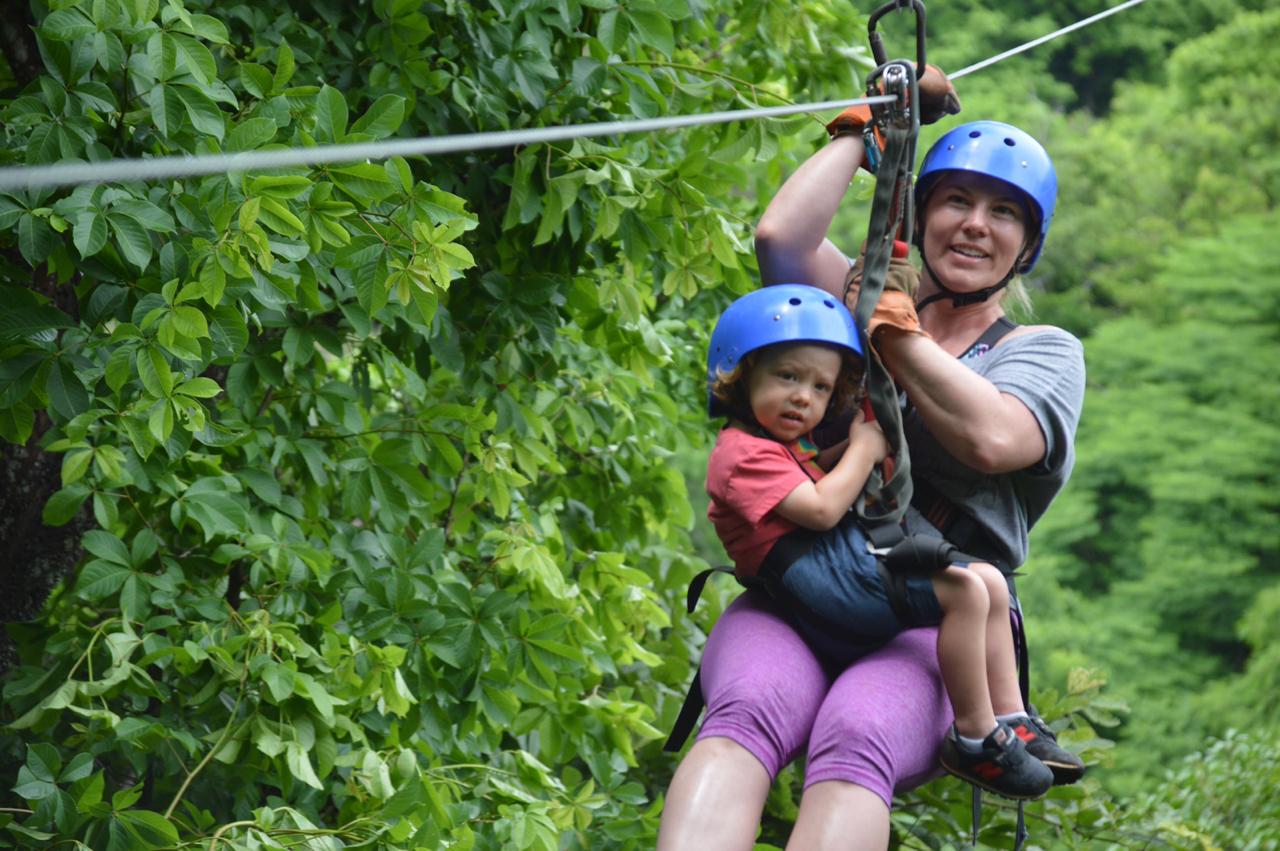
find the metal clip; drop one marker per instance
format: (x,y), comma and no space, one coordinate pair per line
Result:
(877,44)
(895,78)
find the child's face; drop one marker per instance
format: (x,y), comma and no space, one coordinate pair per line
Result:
(790,387)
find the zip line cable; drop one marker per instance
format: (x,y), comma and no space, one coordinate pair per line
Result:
(158,168)
(1042,39)
(155,168)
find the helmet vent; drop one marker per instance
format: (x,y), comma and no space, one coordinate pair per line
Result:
(793,300)
(973,134)
(829,303)
(1009,142)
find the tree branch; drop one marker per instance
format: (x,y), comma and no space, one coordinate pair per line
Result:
(18,42)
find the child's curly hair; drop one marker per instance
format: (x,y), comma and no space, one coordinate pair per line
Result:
(730,387)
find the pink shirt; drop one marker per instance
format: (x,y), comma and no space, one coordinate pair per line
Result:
(747,476)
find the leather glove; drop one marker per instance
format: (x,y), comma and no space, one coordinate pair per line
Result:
(896,307)
(850,122)
(938,96)
(901,276)
(895,310)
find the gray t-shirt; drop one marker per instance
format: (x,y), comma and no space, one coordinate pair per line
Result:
(1045,370)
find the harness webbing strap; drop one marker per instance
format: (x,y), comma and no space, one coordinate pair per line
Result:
(884,501)
(691,708)
(688,716)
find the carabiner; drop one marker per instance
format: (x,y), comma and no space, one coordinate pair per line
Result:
(896,78)
(877,44)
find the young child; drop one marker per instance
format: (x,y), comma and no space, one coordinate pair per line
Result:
(783,360)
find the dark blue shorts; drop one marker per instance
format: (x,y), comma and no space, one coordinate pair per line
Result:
(838,600)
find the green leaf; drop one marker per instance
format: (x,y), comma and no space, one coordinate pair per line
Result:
(256,80)
(145,213)
(300,765)
(201,388)
(279,218)
(251,133)
(363,181)
(26,321)
(107,546)
(90,233)
(67,395)
(204,113)
(331,114)
(383,118)
(167,109)
(190,322)
(17,423)
(133,239)
(75,464)
(119,368)
(101,579)
(426,302)
(160,420)
(654,30)
(196,58)
(64,504)
(153,369)
(216,510)
(153,830)
(66,25)
(35,238)
(284,67)
(280,186)
(279,680)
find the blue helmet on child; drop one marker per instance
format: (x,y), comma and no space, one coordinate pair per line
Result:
(1004,152)
(783,313)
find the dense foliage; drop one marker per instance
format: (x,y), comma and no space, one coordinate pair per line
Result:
(364,490)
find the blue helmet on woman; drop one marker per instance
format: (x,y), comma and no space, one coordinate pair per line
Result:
(783,313)
(1004,152)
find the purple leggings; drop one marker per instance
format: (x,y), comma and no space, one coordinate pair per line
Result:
(878,724)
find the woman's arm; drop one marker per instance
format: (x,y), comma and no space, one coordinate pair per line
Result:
(990,431)
(791,239)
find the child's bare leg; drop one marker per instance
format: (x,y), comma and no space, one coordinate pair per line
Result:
(962,654)
(1002,668)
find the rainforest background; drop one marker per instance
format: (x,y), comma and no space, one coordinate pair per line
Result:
(354,506)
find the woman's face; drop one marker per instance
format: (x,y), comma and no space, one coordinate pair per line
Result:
(975,230)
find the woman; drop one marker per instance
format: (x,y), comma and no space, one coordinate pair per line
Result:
(990,427)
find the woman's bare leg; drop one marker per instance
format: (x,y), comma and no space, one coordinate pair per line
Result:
(962,654)
(715,799)
(839,816)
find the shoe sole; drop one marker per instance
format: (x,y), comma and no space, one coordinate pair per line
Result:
(1064,774)
(987,787)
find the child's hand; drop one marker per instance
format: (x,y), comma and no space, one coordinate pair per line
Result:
(868,436)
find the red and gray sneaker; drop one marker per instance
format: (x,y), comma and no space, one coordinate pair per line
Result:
(1043,745)
(1002,766)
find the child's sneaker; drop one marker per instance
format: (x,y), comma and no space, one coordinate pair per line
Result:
(1043,745)
(1002,766)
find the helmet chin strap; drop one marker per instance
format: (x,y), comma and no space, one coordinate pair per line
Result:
(961,299)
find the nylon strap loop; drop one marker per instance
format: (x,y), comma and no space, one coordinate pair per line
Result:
(885,501)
